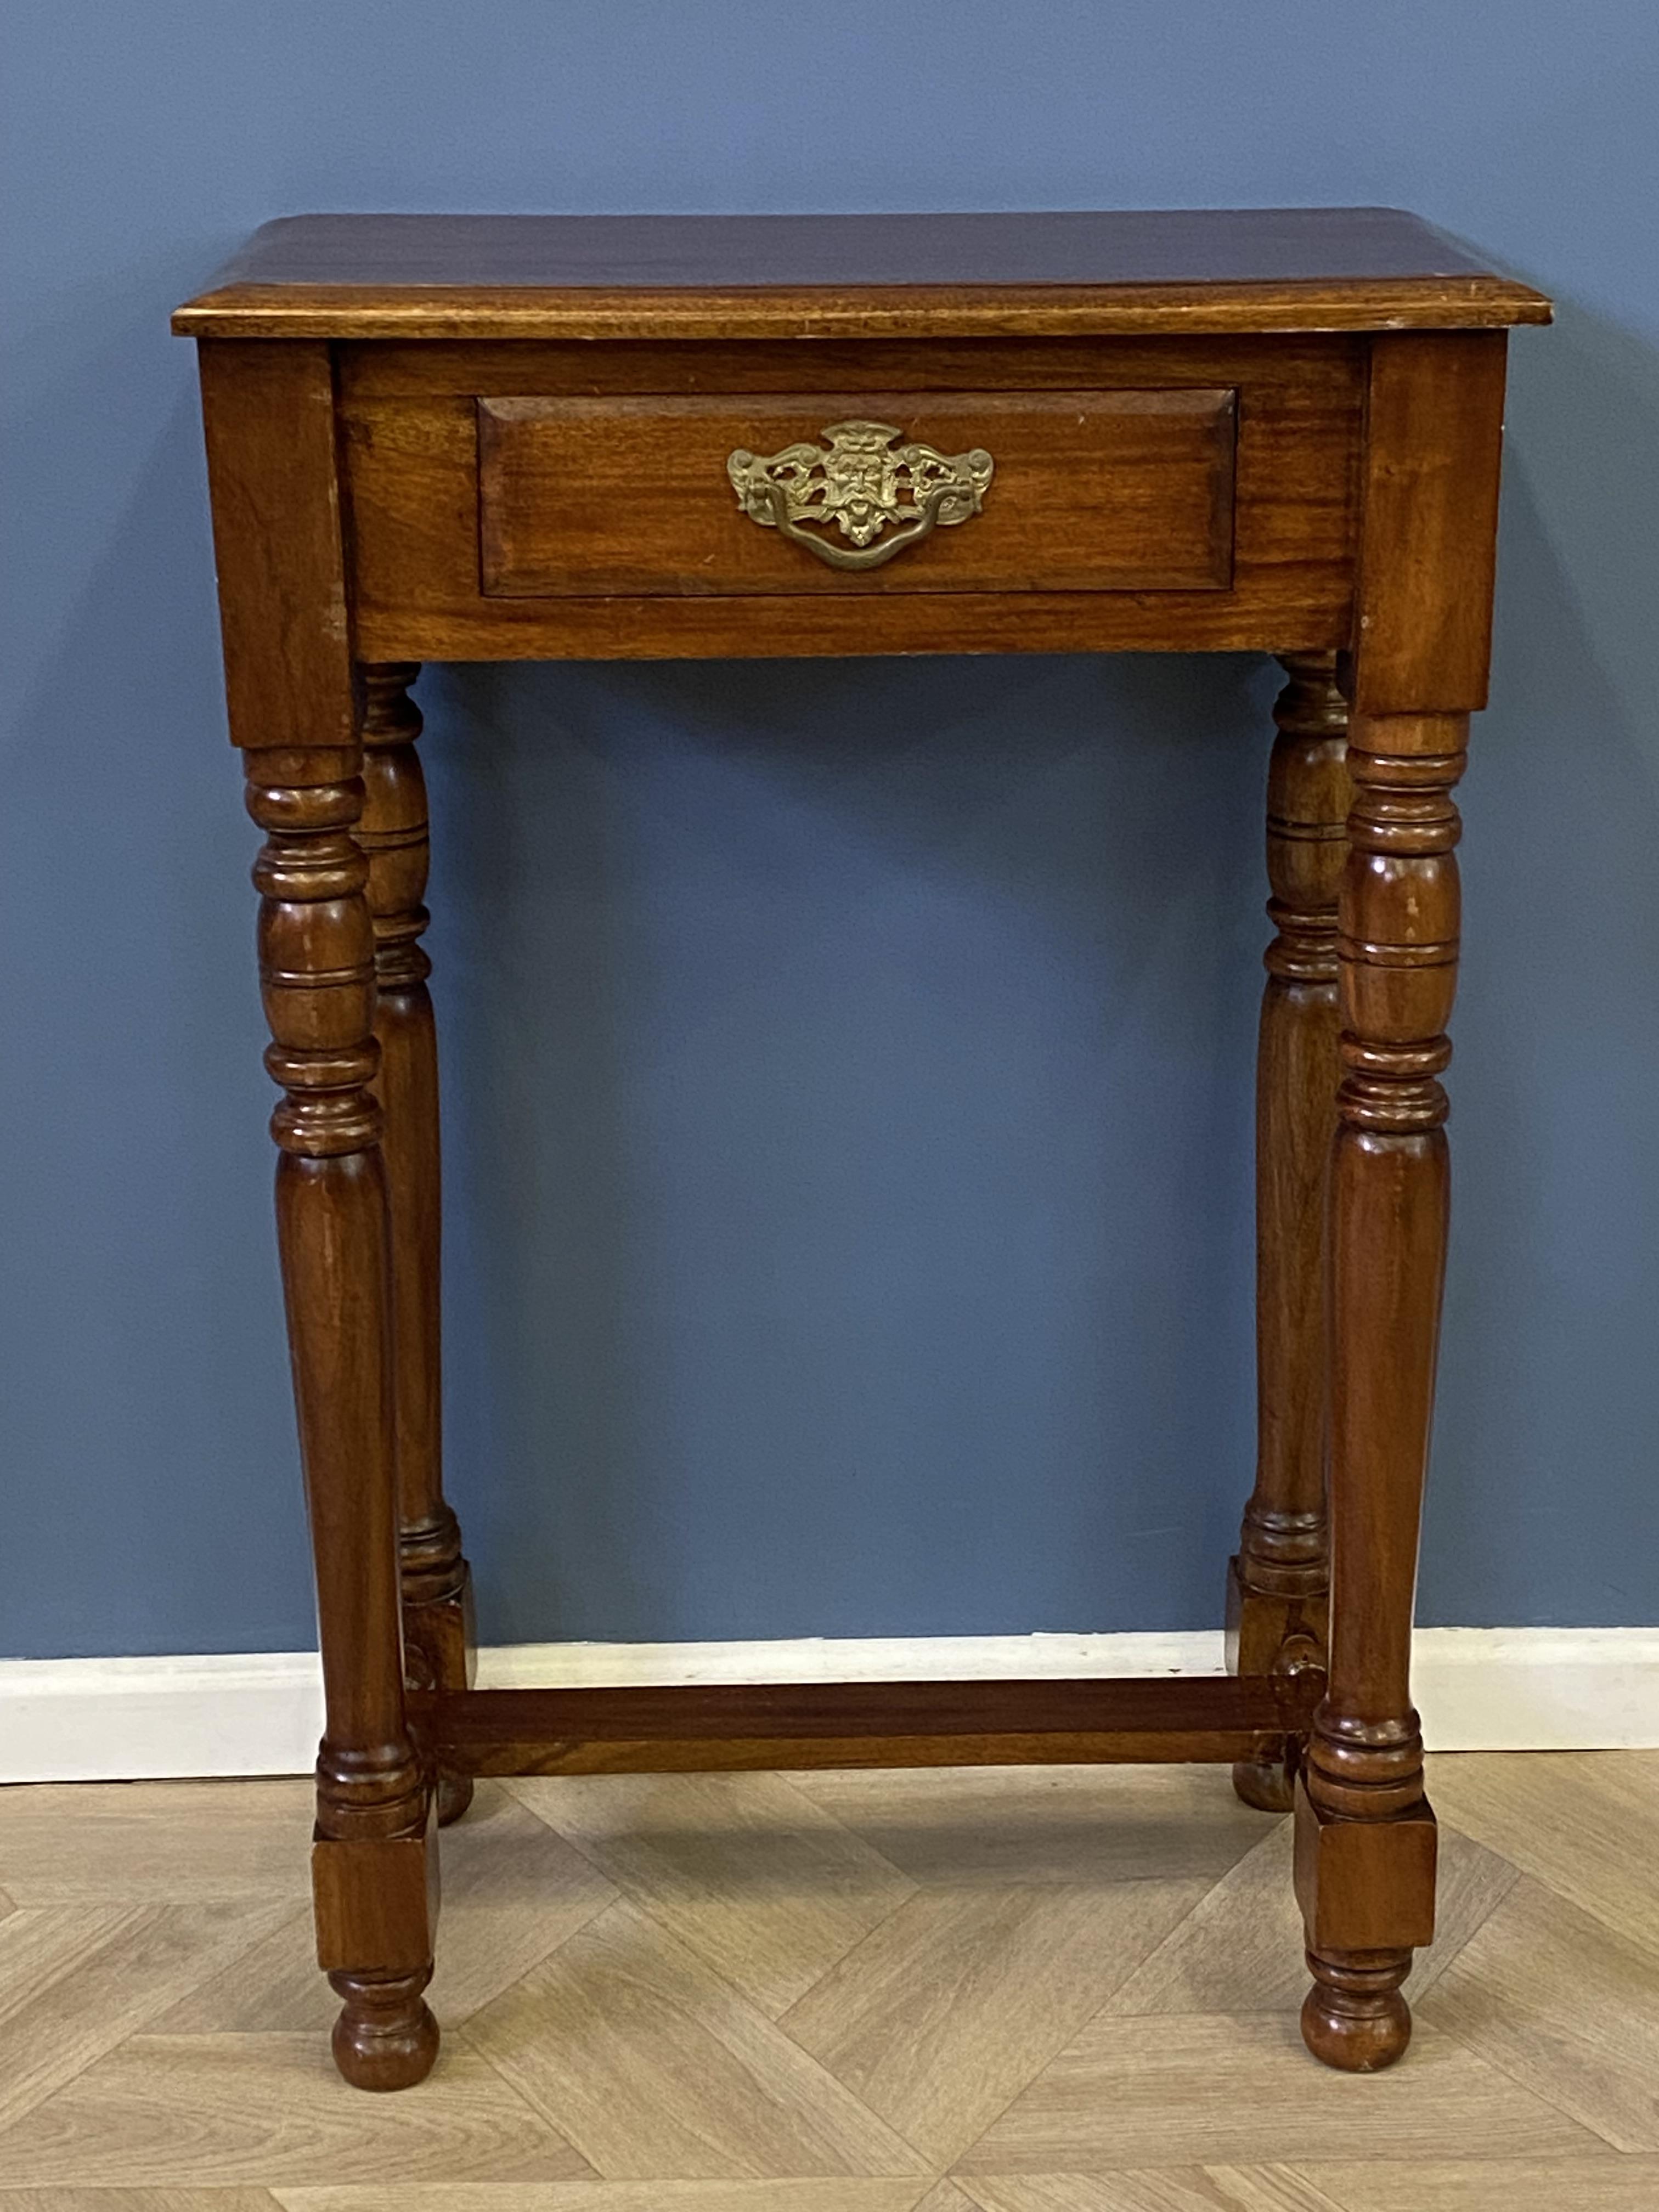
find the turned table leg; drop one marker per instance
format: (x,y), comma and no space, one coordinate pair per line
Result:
(372,1859)
(1364,1832)
(1365,1835)
(437,1594)
(1279,1583)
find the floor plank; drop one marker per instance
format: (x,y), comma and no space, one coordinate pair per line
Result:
(188,2111)
(1550,1994)
(656,2068)
(512,1891)
(1240,2090)
(950,2007)
(136,2200)
(1585,1822)
(183,1842)
(822,2193)
(1014,1825)
(1240,1949)
(1555,2185)
(75,1980)
(767,1888)
(1163,2189)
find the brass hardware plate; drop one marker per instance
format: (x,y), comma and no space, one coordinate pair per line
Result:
(863,483)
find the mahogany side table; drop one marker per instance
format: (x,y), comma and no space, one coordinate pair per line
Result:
(529,437)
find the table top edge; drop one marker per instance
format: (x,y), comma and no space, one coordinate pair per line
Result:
(1091,272)
(347,311)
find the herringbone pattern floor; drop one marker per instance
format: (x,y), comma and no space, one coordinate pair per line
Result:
(1039,1990)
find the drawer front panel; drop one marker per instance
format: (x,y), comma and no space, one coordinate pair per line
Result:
(1087,491)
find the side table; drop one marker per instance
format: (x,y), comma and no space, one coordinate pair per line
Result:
(532,437)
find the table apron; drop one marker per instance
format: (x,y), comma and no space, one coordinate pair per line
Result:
(421,556)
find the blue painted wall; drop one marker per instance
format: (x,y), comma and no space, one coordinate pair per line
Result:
(848,1064)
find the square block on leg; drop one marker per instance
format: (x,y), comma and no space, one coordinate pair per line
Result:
(441,1640)
(376,1902)
(1261,1623)
(1364,1885)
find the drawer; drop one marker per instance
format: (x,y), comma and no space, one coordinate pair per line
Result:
(1119,490)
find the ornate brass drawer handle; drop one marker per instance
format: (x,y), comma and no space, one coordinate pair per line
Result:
(859,485)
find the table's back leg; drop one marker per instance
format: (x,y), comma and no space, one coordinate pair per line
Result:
(269,413)
(437,1595)
(1279,1583)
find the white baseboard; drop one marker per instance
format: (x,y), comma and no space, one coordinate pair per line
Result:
(127,1720)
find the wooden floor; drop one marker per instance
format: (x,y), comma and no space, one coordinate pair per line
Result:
(1035,1990)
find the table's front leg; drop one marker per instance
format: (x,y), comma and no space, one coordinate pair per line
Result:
(370,1860)
(1280,1580)
(1422,632)
(1365,1835)
(437,1595)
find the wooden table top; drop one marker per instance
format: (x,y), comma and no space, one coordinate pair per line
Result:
(818,275)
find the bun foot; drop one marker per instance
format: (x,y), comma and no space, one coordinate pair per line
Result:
(1268,1789)
(385,2037)
(454,1795)
(1354,2018)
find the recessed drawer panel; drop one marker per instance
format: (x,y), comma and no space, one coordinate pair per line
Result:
(1027,491)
